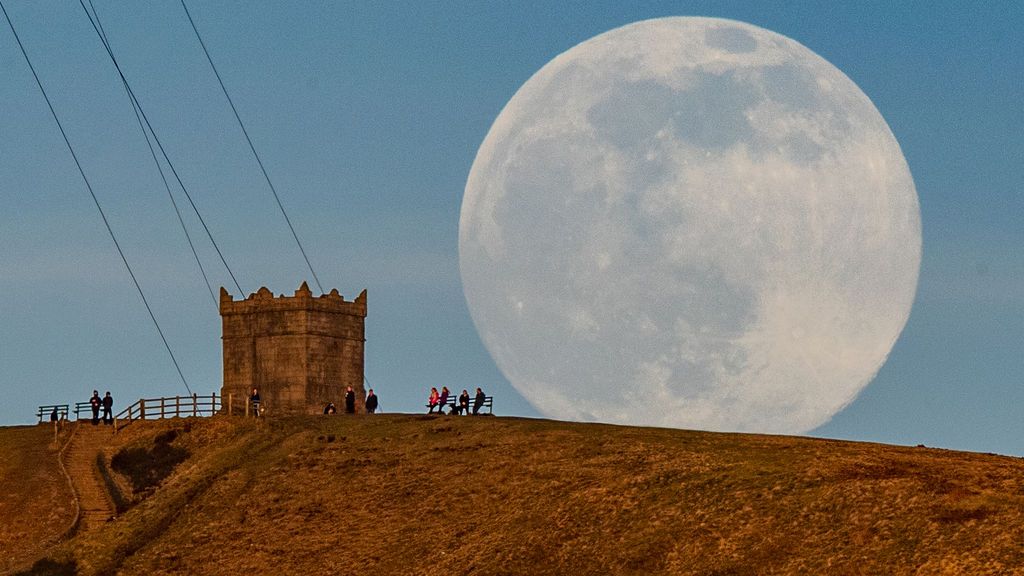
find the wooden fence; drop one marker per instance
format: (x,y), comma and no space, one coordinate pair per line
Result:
(182,407)
(240,406)
(169,407)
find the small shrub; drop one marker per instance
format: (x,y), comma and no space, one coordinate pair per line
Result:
(959,515)
(48,567)
(144,467)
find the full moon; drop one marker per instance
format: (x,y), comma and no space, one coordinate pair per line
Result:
(690,222)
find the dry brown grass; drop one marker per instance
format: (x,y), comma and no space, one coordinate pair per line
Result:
(36,506)
(400,494)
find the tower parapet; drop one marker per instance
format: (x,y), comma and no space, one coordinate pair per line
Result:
(299,351)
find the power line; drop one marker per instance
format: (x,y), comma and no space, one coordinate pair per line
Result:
(251,146)
(163,152)
(94,198)
(152,153)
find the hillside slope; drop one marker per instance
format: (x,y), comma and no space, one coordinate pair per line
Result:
(36,502)
(401,494)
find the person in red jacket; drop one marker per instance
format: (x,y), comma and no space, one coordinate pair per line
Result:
(432,401)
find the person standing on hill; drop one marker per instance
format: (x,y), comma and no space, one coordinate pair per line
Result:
(432,400)
(350,401)
(371,402)
(463,408)
(108,409)
(478,401)
(95,402)
(254,400)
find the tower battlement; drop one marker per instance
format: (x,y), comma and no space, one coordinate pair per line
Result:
(303,299)
(299,351)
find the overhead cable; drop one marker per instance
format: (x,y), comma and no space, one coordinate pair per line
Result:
(95,200)
(160,169)
(163,152)
(251,146)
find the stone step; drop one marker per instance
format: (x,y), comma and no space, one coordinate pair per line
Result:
(95,507)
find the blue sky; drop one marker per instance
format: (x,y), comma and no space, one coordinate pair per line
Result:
(368,118)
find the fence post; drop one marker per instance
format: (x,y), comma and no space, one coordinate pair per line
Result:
(231,402)
(142,408)
(247,408)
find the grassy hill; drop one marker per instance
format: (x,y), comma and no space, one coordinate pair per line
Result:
(36,507)
(403,494)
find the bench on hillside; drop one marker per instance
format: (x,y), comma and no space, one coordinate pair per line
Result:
(47,409)
(453,402)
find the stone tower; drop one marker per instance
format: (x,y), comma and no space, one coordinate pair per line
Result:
(299,351)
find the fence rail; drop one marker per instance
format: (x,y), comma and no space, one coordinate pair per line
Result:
(82,408)
(241,405)
(47,410)
(169,407)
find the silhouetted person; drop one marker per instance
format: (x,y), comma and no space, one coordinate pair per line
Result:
(463,404)
(478,401)
(108,409)
(54,415)
(95,402)
(371,402)
(254,401)
(330,409)
(350,401)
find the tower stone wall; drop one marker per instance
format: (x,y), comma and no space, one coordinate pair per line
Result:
(299,351)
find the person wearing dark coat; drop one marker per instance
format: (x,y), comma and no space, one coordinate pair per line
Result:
(254,401)
(350,401)
(463,407)
(95,402)
(478,401)
(371,402)
(108,409)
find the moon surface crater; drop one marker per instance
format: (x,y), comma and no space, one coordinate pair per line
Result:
(690,222)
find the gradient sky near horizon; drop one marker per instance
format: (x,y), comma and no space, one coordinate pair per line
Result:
(368,118)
